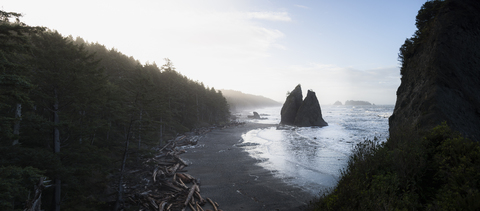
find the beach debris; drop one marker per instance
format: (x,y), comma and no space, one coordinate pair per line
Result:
(161,182)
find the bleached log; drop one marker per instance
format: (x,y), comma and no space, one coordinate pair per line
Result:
(179,184)
(174,169)
(199,208)
(154,175)
(190,177)
(171,186)
(183,184)
(190,194)
(200,198)
(213,204)
(152,202)
(180,160)
(162,206)
(191,207)
(183,178)
(165,146)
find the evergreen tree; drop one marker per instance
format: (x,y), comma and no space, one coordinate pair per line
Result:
(14,85)
(68,83)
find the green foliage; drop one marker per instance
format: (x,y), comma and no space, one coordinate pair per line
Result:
(14,85)
(440,171)
(16,184)
(427,12)
(425,18)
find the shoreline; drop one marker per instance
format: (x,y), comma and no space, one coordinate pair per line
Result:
(231,177)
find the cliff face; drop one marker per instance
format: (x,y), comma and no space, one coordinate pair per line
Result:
(441,78)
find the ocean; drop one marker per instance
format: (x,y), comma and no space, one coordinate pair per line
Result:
(311,157)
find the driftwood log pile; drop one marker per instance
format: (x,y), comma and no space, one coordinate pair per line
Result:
(164,182)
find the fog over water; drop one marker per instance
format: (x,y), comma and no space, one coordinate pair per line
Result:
(311,157)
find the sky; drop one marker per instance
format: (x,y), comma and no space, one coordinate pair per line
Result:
(342,49)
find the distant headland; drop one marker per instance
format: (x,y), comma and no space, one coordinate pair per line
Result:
(357,102)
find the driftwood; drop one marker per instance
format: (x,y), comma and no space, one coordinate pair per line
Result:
(164,185)
(213,204)
(190,194)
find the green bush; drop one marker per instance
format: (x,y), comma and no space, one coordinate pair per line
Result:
(440,171)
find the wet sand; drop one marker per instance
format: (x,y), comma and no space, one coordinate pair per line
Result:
(229,176)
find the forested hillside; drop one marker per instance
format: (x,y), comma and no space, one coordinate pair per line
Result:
(239,101)
(74,113)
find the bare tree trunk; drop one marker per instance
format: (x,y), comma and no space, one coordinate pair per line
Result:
(16,126)
(108,131)
(56,144)
(140,129)
(93,137)
(82,115)
(161,132)
(35,203)
(122,170)
(198,112)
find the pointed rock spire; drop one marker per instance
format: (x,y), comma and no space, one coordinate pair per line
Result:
(302,113)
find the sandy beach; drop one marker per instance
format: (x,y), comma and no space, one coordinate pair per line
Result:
(229,176)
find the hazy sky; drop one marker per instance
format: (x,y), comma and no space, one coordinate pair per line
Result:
(341,49)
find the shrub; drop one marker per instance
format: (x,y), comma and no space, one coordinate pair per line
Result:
(440,171)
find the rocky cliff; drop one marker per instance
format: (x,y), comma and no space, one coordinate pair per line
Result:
(441,71)
(302,113)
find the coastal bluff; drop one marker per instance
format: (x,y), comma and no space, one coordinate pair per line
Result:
(441,72)
(302,113)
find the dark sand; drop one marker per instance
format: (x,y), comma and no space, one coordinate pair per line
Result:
(229,176)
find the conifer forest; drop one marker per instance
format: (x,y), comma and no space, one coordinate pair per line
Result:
(73,114)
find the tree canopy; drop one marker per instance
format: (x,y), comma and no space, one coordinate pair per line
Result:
(68,108)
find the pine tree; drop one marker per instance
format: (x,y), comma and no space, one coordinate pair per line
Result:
(68,84)
(14,84)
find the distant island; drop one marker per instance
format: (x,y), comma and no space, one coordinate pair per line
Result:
(355,102)
(241,101)
(338,103)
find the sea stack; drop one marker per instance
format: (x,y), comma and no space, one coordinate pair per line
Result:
(291,106)
(302,113)
(441,72)
(310,113)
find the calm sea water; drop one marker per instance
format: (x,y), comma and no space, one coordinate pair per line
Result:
(312,158)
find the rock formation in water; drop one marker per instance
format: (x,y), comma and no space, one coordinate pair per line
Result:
(255,116)
(441,71)
(291,106)
(338,103)
(357,102)
(310,113)
(302,113)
